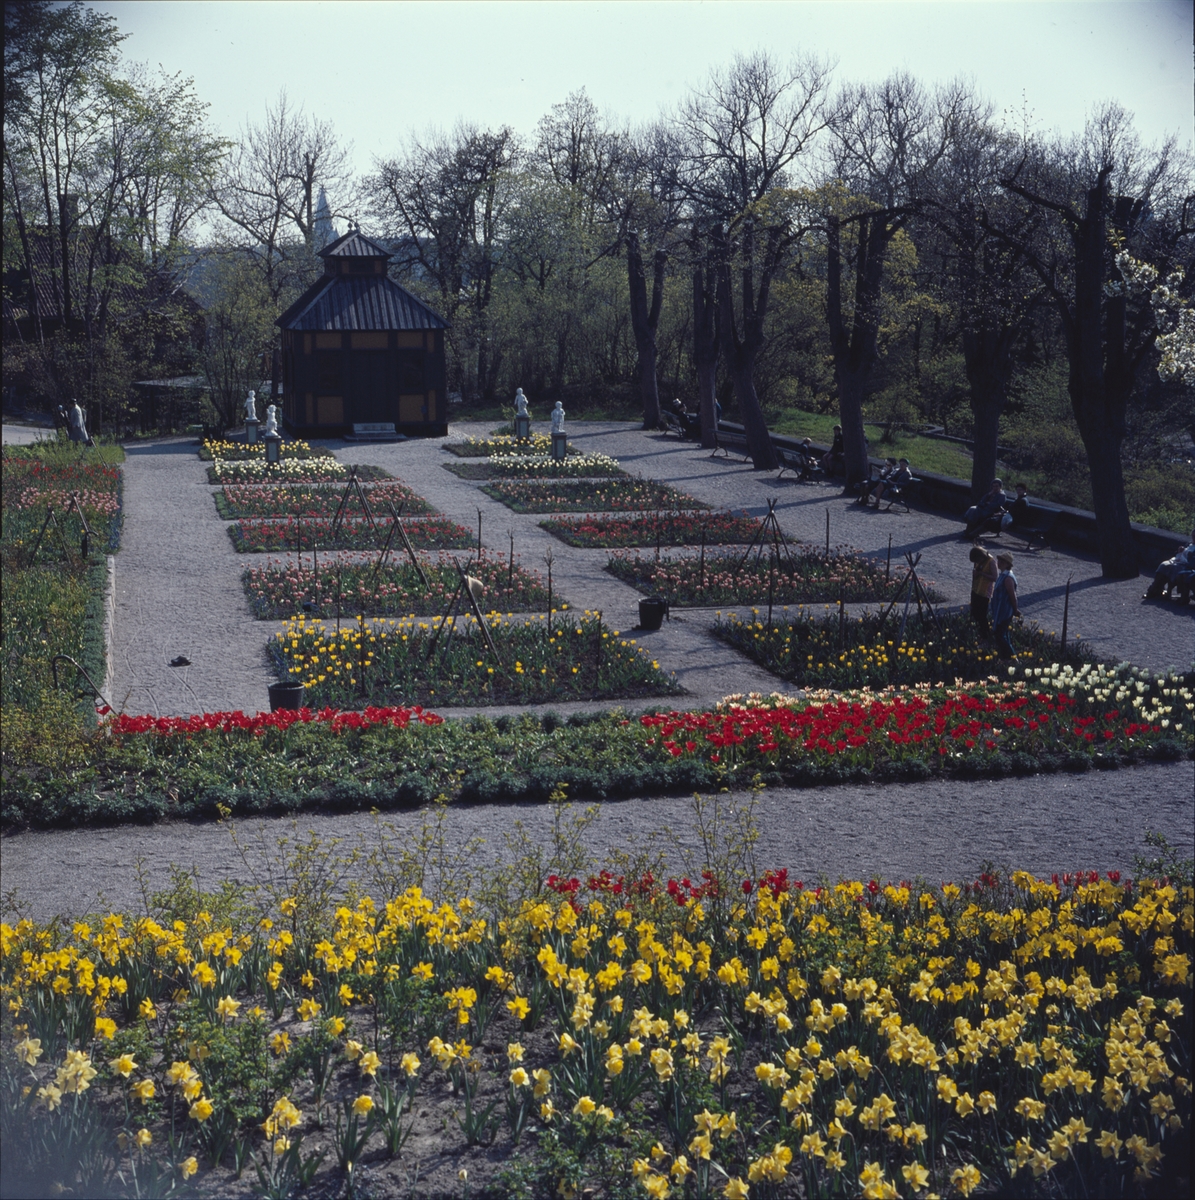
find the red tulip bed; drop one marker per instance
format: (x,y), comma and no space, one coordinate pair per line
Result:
(278,591)
(809,576)
(614,495)
(269,500)
(654,529)
(430,533)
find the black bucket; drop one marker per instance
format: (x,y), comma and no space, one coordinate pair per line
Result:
(651,613)
(286,695)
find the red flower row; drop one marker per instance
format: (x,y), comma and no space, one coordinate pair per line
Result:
(283,718)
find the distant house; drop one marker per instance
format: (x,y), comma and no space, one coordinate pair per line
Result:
(359,349)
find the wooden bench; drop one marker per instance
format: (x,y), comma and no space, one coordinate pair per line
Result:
(730,443)
(1039,531)
(671,423)
(798,462)
(896,493)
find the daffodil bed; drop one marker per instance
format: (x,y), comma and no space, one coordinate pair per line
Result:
(537,443)
(817,649)
(430,533)
(615,495)
(542,466)
(807,576)
(281,590)
(609,1036)
(413,661)
(213,448)
(269,500)
(290,470)
(655,529)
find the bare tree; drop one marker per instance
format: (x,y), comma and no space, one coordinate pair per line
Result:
(1097,194)
(889,140)
(744,133)
(444,198)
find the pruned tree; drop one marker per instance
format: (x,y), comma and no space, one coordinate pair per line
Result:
(745,133)
(1098,195)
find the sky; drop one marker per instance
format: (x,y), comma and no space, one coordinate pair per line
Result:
(380,72)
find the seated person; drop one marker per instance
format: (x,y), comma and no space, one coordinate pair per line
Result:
(894,480)
(865,491)
(1019,509)
(1174,572)
(834,458)
(690,423)
(807,452)
(992,507)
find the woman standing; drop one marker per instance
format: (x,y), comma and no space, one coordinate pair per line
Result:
(983,579)
(1004,605)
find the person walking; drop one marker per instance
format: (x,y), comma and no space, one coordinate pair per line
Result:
(1004,605)
(983,580)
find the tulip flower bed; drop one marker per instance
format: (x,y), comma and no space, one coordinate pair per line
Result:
(144,768)
(291,470)
(817,650)
(807,576)
(430,533)
(537,443)
(607,1034)
(593,466)
(53,604)
(213,448)
(617,495)
(280,590)
(654,529)
(411,661)
(269,500)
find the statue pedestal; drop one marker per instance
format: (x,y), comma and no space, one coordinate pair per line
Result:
(559,445)
(273,448)
(522,428)
(251,432)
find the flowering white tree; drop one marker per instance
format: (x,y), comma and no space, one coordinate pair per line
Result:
(1173,312)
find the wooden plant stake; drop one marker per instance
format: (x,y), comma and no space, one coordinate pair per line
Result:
(888,564)
(771,586)
(841,619)
(701,584)
(1066,611)
(548,560)
(827,533)
(597,664)
(478,616)
(479,534)
(448,612)
(510,567)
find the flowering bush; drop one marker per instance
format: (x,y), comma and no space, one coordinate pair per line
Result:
(270,500)
(539,466)
(655,529)
(434,533)
(281,590)
(808,575)
(227,451)
(612,496)
(614,1033)
(412,660)
(815,650)
(324,469)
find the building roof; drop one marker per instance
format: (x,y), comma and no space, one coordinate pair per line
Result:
(362,303)
(354,244)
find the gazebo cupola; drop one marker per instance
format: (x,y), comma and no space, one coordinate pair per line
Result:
(358,349)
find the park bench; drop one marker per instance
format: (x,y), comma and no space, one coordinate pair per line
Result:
(898,493)
(1042,521)
(375,431)
(801,465)
(671,423)
(730,442)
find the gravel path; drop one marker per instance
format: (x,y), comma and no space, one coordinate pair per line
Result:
(178,592)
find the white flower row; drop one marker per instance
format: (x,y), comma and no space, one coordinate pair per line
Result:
(542,464)
(288,468)
(1153,697)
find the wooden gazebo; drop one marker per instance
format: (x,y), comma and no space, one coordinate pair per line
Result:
(357,349)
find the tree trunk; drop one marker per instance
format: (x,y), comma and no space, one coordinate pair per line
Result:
(988,358)
(1099,383)
(705,351)
(644,322)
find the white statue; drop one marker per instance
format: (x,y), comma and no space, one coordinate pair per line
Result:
(558,418)
(78,425)
(251,406)
(520,404)
(271,421)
